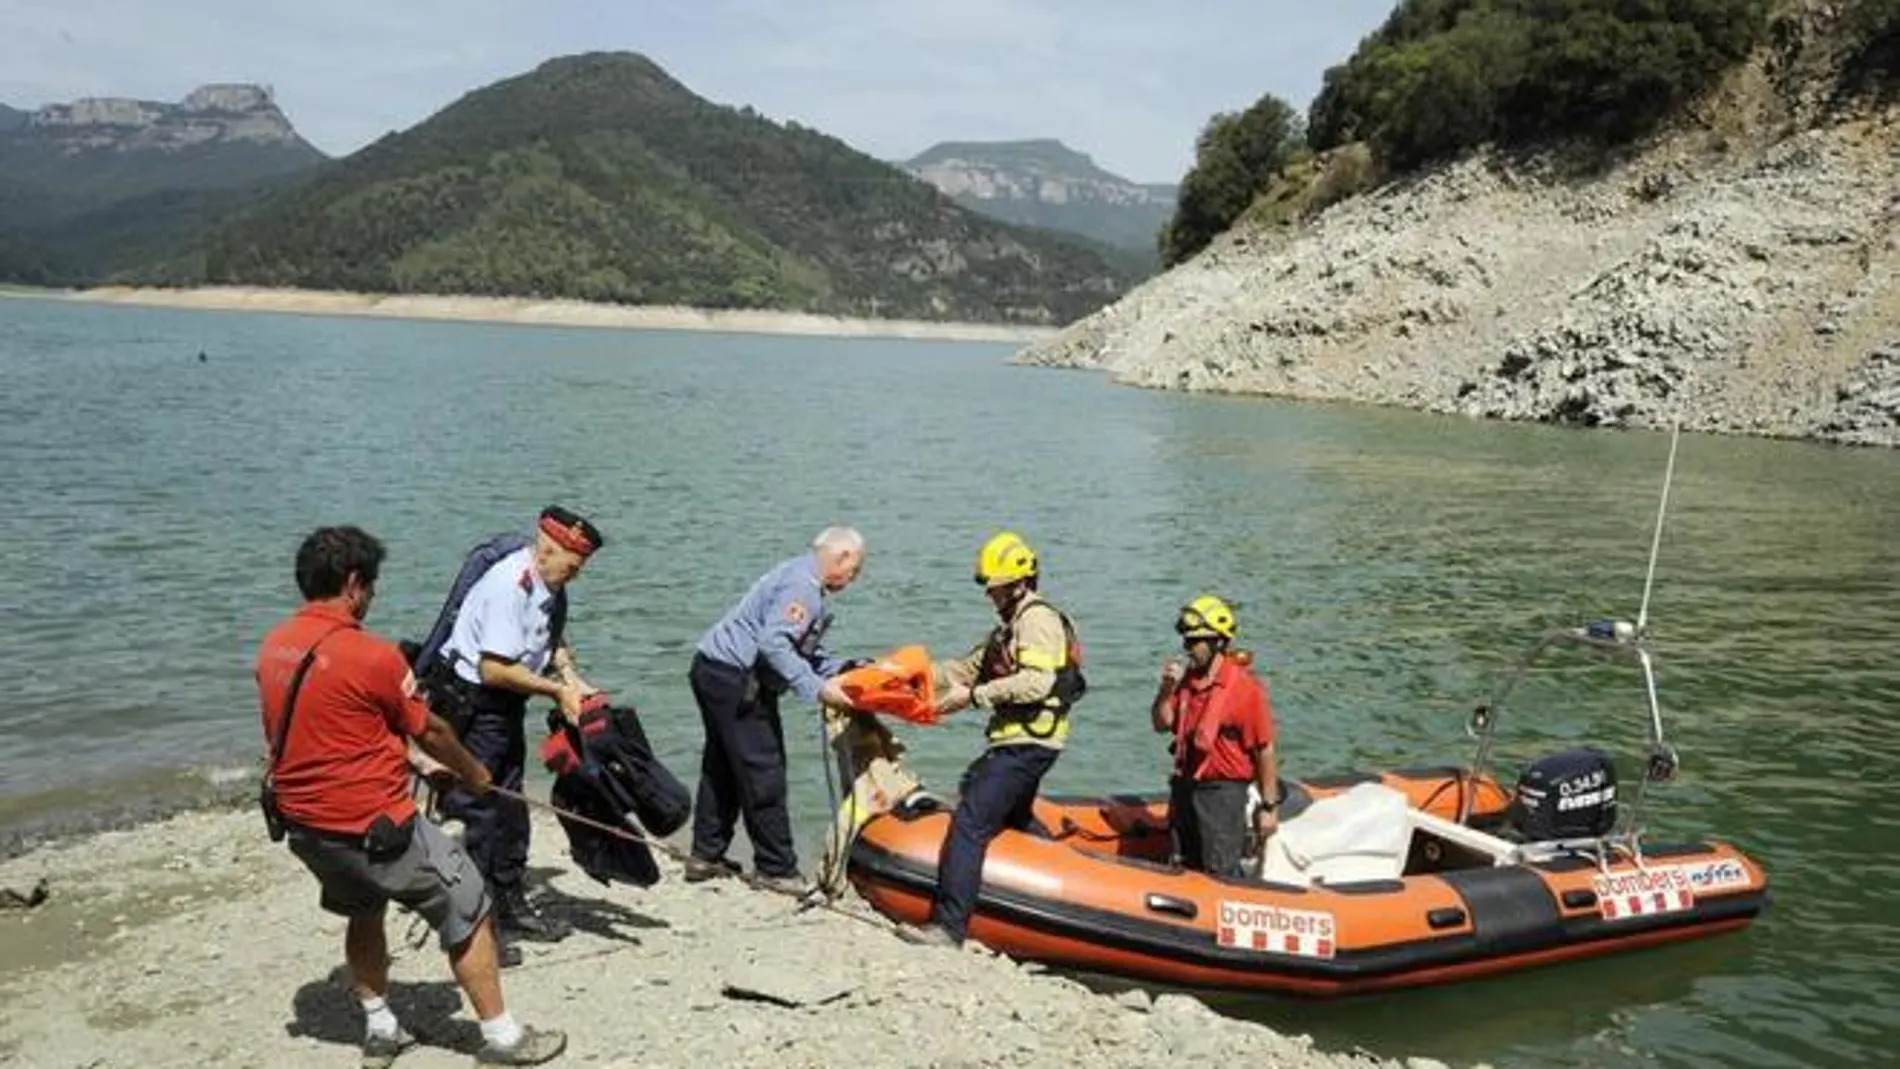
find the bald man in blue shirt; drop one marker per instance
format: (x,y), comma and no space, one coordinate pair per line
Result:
(771,642)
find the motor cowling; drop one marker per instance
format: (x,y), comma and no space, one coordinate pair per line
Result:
(1568,795)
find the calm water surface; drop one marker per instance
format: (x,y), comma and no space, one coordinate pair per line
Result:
(1387,565)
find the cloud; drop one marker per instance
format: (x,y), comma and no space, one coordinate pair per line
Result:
(1128,81)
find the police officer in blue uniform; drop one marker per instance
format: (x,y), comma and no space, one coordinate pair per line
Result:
(769,643)
(507,646)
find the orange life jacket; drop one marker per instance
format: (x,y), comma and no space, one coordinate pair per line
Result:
(897,684)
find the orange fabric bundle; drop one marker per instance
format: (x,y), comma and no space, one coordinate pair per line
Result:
(897,684)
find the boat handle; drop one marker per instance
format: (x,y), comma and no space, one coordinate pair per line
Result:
(1179,907)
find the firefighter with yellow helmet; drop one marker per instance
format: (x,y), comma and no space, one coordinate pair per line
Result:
(1028,674)
(1221,722)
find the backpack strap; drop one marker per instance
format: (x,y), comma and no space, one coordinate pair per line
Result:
(475,564)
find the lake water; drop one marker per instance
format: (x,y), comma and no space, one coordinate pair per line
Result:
(1387,565)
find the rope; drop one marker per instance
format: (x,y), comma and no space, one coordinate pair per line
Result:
(810,900)
(1655,542)
(832,801)
(418,933)
(1070,829)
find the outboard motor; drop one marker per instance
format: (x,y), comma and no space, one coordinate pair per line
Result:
(1570,795)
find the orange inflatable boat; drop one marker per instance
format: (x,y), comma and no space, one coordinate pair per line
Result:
(1373,882)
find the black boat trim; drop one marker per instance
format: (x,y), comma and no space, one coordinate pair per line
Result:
(1507,921)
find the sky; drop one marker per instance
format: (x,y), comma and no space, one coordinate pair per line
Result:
(1130,82)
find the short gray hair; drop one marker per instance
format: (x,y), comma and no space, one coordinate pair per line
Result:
(838,540)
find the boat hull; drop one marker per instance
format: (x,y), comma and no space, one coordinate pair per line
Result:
(1095,895)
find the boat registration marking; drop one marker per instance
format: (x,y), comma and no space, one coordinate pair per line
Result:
(1717,875)
(1268,929)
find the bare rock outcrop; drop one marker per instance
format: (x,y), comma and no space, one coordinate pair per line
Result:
(210,113)
(1740,284)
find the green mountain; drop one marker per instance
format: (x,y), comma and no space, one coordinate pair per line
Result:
(601,177)
(100,185)
(1044,183)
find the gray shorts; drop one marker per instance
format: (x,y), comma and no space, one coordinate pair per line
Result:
(433,877)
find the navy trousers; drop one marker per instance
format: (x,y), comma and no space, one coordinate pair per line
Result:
(496,829)
(998,791)
(742,769)
(1209,824)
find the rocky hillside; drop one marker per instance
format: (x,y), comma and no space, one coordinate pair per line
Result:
(93,186)
(1048,184)
(600,177)
(1738,273)
(82,155)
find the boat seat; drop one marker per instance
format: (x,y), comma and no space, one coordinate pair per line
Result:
(1501,851)
(1361,834)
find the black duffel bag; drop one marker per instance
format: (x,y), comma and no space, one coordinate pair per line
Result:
(605,770)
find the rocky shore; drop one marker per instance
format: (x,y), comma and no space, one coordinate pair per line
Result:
(1740,284)
(193,941)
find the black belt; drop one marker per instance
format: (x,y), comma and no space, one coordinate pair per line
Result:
(383,840)
(449,687)
(758,681)
(715,663)
(344,838)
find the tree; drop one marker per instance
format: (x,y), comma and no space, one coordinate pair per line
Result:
(1234,157)
(1442,77)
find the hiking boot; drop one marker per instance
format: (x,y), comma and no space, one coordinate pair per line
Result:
(533,1048)
(929,935)
(516,917)
(380,1052)
(791,884)
(699,870)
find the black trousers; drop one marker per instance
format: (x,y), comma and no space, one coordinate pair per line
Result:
(742,769)
(1209,821)
(998,791)
(496,829)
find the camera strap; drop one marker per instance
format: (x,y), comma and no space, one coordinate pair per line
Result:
(290,704)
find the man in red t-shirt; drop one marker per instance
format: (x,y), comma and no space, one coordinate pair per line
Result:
(1217,711)
(339,709)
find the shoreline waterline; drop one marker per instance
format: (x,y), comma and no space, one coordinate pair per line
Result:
(193,940)
(532,311)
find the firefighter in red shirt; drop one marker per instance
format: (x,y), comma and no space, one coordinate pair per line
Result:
(339,710)
(1217,711)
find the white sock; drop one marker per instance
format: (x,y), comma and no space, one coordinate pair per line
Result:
(501,1032)
(381,1021)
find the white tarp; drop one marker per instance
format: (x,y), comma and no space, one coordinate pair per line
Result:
(1362,834)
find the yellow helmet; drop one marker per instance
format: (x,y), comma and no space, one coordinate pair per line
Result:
(1005,559)
(1206,617)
